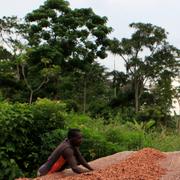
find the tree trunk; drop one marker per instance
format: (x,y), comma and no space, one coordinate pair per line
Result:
(84,97)
(115,94)
(31,96)
(18,72)
(136,96)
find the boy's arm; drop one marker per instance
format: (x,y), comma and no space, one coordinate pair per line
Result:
(82,161)
(68,155)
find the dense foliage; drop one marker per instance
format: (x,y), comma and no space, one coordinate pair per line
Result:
(54,53)
(29,133)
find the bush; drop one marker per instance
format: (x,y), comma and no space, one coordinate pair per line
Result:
(8,167)
(14,136)
(50,141)
(29,133)
(163,141)
(95,145)
(22,128)
(127,139)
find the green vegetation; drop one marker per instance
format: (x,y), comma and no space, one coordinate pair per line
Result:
(50,81)
(28,134)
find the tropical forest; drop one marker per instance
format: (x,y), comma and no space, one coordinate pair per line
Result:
(52,79)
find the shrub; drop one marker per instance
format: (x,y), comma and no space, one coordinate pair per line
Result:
(95,145)
(50,141)
(126,138)
(29,133)
(22,127)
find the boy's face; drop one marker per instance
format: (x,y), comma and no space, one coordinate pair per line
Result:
(77,140)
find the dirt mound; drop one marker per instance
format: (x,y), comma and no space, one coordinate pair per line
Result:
(145,164)
(141,165)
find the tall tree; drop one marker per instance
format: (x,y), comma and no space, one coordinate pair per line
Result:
(78,34)
(12,39)
(147,54)
(163,92)
(85,87)
(119,81)
(66,39)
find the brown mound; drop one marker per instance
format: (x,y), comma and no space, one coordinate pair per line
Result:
(141,165)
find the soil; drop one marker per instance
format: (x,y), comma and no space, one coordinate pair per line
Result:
(146,164)
(172,164)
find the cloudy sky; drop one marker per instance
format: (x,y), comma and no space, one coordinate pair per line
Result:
(120,13)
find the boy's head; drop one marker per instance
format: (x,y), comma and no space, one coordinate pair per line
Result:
(75,137)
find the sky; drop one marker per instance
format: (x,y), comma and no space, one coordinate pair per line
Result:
(120,13)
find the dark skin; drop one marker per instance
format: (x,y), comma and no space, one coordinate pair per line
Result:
(69,151)
(75,157)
